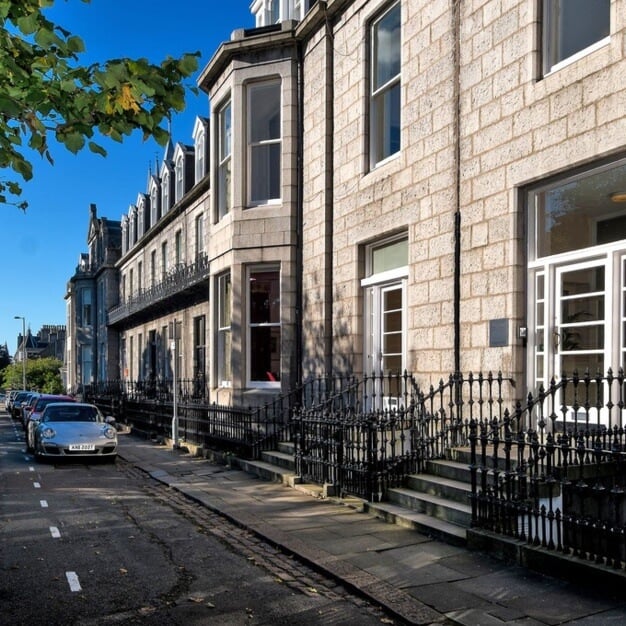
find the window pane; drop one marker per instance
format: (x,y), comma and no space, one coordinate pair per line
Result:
(265,353)
(264,298)
(580,212)
(225,132)
(264,112)
(390,257)
(264,142)
(386,122)
(223,356)
(224,188)
(387,47)
(265,165)
(572,25)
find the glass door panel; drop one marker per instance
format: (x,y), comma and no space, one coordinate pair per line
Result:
(579,332)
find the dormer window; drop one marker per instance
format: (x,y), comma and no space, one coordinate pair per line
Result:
(133,226)
(165,187)
(180,177)
(200,140)
(200,166)
(155,213)
(124,226)
(274,11)
(267,12)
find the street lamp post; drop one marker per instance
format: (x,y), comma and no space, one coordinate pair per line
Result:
(19,317)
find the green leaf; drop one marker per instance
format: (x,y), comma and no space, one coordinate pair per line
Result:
(75,44)
(94,147)
(23,167)
(73,141)
(28,24)
(189,63)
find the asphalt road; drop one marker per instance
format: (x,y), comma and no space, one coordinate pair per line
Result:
(105,544)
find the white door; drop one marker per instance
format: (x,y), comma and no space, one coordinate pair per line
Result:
(579,328)
(579,333)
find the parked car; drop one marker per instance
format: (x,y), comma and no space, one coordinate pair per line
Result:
(34,416)
(27,407)
(16,403)
(8,403)
(74,430)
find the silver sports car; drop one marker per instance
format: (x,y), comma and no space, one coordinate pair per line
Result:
(74,429)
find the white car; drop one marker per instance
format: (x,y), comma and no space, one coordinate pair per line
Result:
(74,430)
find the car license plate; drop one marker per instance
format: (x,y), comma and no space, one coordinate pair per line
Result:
(82,447)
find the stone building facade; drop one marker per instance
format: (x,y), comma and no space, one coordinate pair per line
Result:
(394,185)
(91,348)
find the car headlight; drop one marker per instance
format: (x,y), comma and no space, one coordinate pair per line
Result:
(48,433)
(109,432)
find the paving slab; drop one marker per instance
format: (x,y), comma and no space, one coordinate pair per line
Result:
(416,578)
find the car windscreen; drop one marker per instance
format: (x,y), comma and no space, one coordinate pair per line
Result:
(42,403)
(71,414)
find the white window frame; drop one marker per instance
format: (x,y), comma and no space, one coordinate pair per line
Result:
(178,247)
(165,193)
(224,138)
(381,113)
(224,334)
(154,204)
(270,169)
(552,62)
(199,161)
(375,285)
(180,177)
(86,317)
(86,364)
(164,259)
(153,268)
(199,232)
(261,384)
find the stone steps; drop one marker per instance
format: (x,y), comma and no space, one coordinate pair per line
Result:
(435,504)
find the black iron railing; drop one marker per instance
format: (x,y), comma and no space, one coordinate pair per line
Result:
(552,472)
(177,280)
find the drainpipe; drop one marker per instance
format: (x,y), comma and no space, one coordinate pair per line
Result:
(456,30)
(299,211)
(329,200)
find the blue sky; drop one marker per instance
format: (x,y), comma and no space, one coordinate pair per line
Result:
(39,249)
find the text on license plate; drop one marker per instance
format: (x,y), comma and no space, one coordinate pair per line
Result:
(83,447)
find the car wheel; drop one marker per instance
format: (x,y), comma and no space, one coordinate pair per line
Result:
(37,454)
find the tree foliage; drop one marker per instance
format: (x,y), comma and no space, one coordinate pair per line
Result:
(43,375)
(46,94)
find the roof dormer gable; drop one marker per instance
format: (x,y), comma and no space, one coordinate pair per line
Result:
(166,175)
(143,214)
(183,168)
(154,192)
(201,148)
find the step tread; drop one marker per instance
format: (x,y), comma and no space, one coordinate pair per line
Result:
(268,467)
(449,463)
(426,497)
(421,519)
(441,480)
(279,455)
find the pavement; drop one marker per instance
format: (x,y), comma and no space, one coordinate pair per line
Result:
(417,579)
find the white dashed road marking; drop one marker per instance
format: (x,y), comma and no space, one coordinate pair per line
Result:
(54,531)
(72,579)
